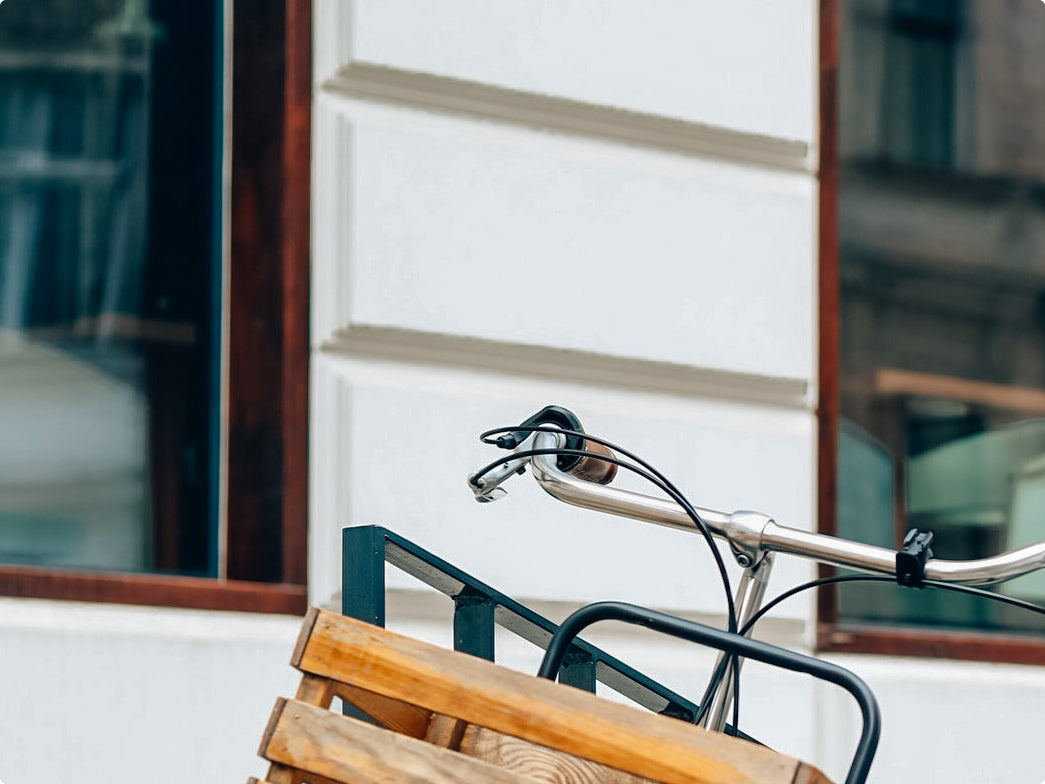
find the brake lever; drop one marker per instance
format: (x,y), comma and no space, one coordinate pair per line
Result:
(487,488)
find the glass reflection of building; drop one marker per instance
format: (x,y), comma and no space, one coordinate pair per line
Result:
(942,274)
(107,194)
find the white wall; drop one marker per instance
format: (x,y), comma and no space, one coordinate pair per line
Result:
(478,165)
(100,693)
(942,721)
(471,266)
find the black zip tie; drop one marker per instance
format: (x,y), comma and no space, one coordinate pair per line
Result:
(910,561)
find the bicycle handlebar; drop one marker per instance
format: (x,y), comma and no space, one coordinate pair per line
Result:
(749,534)
(753,531)
(753,537)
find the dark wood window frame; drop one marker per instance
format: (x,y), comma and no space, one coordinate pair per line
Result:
(833,634)
(267,423)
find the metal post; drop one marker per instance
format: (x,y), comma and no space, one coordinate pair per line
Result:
(578,669)
(750,593)
(474,623)
(363,573)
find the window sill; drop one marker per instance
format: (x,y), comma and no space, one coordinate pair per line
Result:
(971,646)
(154,590)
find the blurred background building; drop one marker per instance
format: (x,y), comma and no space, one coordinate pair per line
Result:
(267,269)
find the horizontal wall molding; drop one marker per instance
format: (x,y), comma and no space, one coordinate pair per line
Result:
(549,113)
(416,347)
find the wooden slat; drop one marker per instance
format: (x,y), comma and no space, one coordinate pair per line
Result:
(399,715)
(306,630)
(538,762)
(559,717)
(446,731)
(316,691)
(281,774)
(343,749)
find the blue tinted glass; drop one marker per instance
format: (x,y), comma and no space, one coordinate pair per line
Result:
(942,271)
(108,189)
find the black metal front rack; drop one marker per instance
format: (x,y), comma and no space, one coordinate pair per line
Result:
(478,608)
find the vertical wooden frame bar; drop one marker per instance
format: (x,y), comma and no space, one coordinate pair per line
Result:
(827,394)
(297,168)
(268,307)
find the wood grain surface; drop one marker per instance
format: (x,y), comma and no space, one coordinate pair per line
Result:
(551,715)
(343,749)
(545,765)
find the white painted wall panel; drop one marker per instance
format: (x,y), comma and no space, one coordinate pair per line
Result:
(508,234)
(97,693)
(395,443)
(942,721)
(748,65)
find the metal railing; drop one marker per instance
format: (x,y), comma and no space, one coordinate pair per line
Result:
(478,608)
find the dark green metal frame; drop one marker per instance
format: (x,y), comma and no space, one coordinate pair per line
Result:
(478,608)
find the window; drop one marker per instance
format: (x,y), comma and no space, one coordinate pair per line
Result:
(933,396)
(153,301)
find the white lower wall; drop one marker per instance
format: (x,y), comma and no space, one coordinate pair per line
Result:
(943,722)
(120,695)
(102,693)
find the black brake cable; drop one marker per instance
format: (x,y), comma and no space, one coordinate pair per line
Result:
(877,578)
(867,578)
(650,473)
(649,476)
(660,481)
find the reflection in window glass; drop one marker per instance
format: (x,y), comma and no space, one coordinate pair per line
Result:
(942,273)
(107,194)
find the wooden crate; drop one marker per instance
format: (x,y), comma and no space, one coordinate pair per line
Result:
(444,716)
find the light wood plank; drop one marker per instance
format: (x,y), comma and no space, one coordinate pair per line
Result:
(280,774)
(306,630)
(316,691)
(446,731)
(538,762)
(342,749)
(552,715)
(398,715)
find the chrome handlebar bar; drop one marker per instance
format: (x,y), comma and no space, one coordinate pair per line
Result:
(750,535)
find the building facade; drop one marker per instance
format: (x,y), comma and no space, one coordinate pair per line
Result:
(625,207)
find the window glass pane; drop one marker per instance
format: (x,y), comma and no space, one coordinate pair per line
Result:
(108,189)
(942,274)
